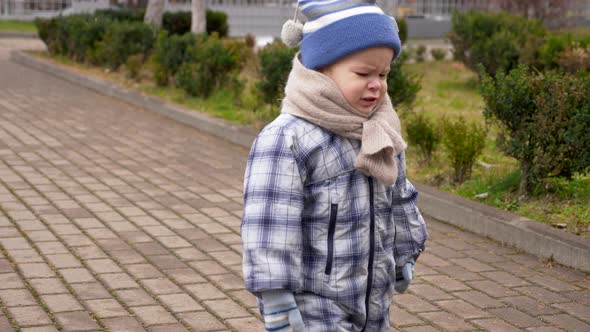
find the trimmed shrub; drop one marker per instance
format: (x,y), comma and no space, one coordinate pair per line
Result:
(575,59)
(402,25)
(438,53)
(133,65)
(402,86)
(276,61)
(208,65)
(423,132)
(123,39)
(83,32)
(48,32)
(176,23)
(463,142)
(170,52)
(556,45)
(420,53)
(541,117)
(217,22)
(497,41)
(125,15)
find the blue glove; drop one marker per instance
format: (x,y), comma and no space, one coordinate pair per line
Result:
(404,276)
(281,312)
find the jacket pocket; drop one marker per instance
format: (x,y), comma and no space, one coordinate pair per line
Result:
(331,231)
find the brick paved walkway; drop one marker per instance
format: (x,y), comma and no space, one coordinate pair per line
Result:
(116,218)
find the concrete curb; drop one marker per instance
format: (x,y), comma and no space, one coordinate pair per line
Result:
(525,234)
(231,132)
(18,34)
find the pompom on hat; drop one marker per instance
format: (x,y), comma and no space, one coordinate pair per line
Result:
(334,29)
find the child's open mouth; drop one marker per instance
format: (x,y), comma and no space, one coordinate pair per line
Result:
(369,101)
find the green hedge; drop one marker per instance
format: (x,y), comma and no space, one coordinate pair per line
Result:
(500,42)
(542,116)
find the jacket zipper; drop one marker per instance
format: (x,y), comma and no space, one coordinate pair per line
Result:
(331,231)
(371,248)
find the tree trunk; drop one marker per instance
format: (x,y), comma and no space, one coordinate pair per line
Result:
(199,17)
(524,177)
(154,13)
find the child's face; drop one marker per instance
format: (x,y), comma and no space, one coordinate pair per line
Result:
(362,77)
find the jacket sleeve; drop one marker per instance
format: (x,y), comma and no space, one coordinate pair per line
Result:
(271,223)
(410,227)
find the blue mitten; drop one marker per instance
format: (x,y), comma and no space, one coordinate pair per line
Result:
(281,312)
(404,276)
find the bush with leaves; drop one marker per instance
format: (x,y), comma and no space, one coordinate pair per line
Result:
(424,133)
(49,30)
(464,143)
(208,65)
(177,23)
(217,22)
(420,53)
(402,25)
(276,61)
(125,15)
(557,44)
(575,59)
(122,39)
(170,52)
(402,86)
(541,117)
(497,41)
(438,53)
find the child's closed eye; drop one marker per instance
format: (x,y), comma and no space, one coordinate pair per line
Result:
(361,74)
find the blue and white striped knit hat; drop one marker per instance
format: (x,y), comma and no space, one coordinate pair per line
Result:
(334,29)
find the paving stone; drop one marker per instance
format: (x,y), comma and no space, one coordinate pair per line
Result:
(399,317)
(516,317)
(106,308)
(422,328)
(167,328)
(567,322)
(246,324)
(118,281)
(61,302)
(166,262)
(205,291)
(447,321)
(179,302)
(185,276)
(29,316)
(41,236)
(126,257)
(153,315)
(102,265)
(497,325)
(413,303)
(455,271)
(542,295)
(22,256)
(135,297)
(245,298)
(446,283)
(17,297)
(36,270)
(5,266)
(208,268)
(462,309)
(479,299)
(552,284)
(90,291)
(76,275)
(47,328)
(226,308)
(123,324)
(576,309)
(202,321)
(89,252)
(61,261)
(160,286)
(227,281)
(505,279)
(580,296)
(143,271)
(77,321)
(492,289)
(430,293)
(530,306)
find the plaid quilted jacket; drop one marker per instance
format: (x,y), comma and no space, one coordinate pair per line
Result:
(315,225)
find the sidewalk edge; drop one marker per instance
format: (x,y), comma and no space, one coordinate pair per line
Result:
(525,234)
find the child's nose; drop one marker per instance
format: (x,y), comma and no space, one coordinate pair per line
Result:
(375,84)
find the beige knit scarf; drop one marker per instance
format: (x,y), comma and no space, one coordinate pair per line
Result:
(316,98)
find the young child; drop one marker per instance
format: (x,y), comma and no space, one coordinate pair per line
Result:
(330,222)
